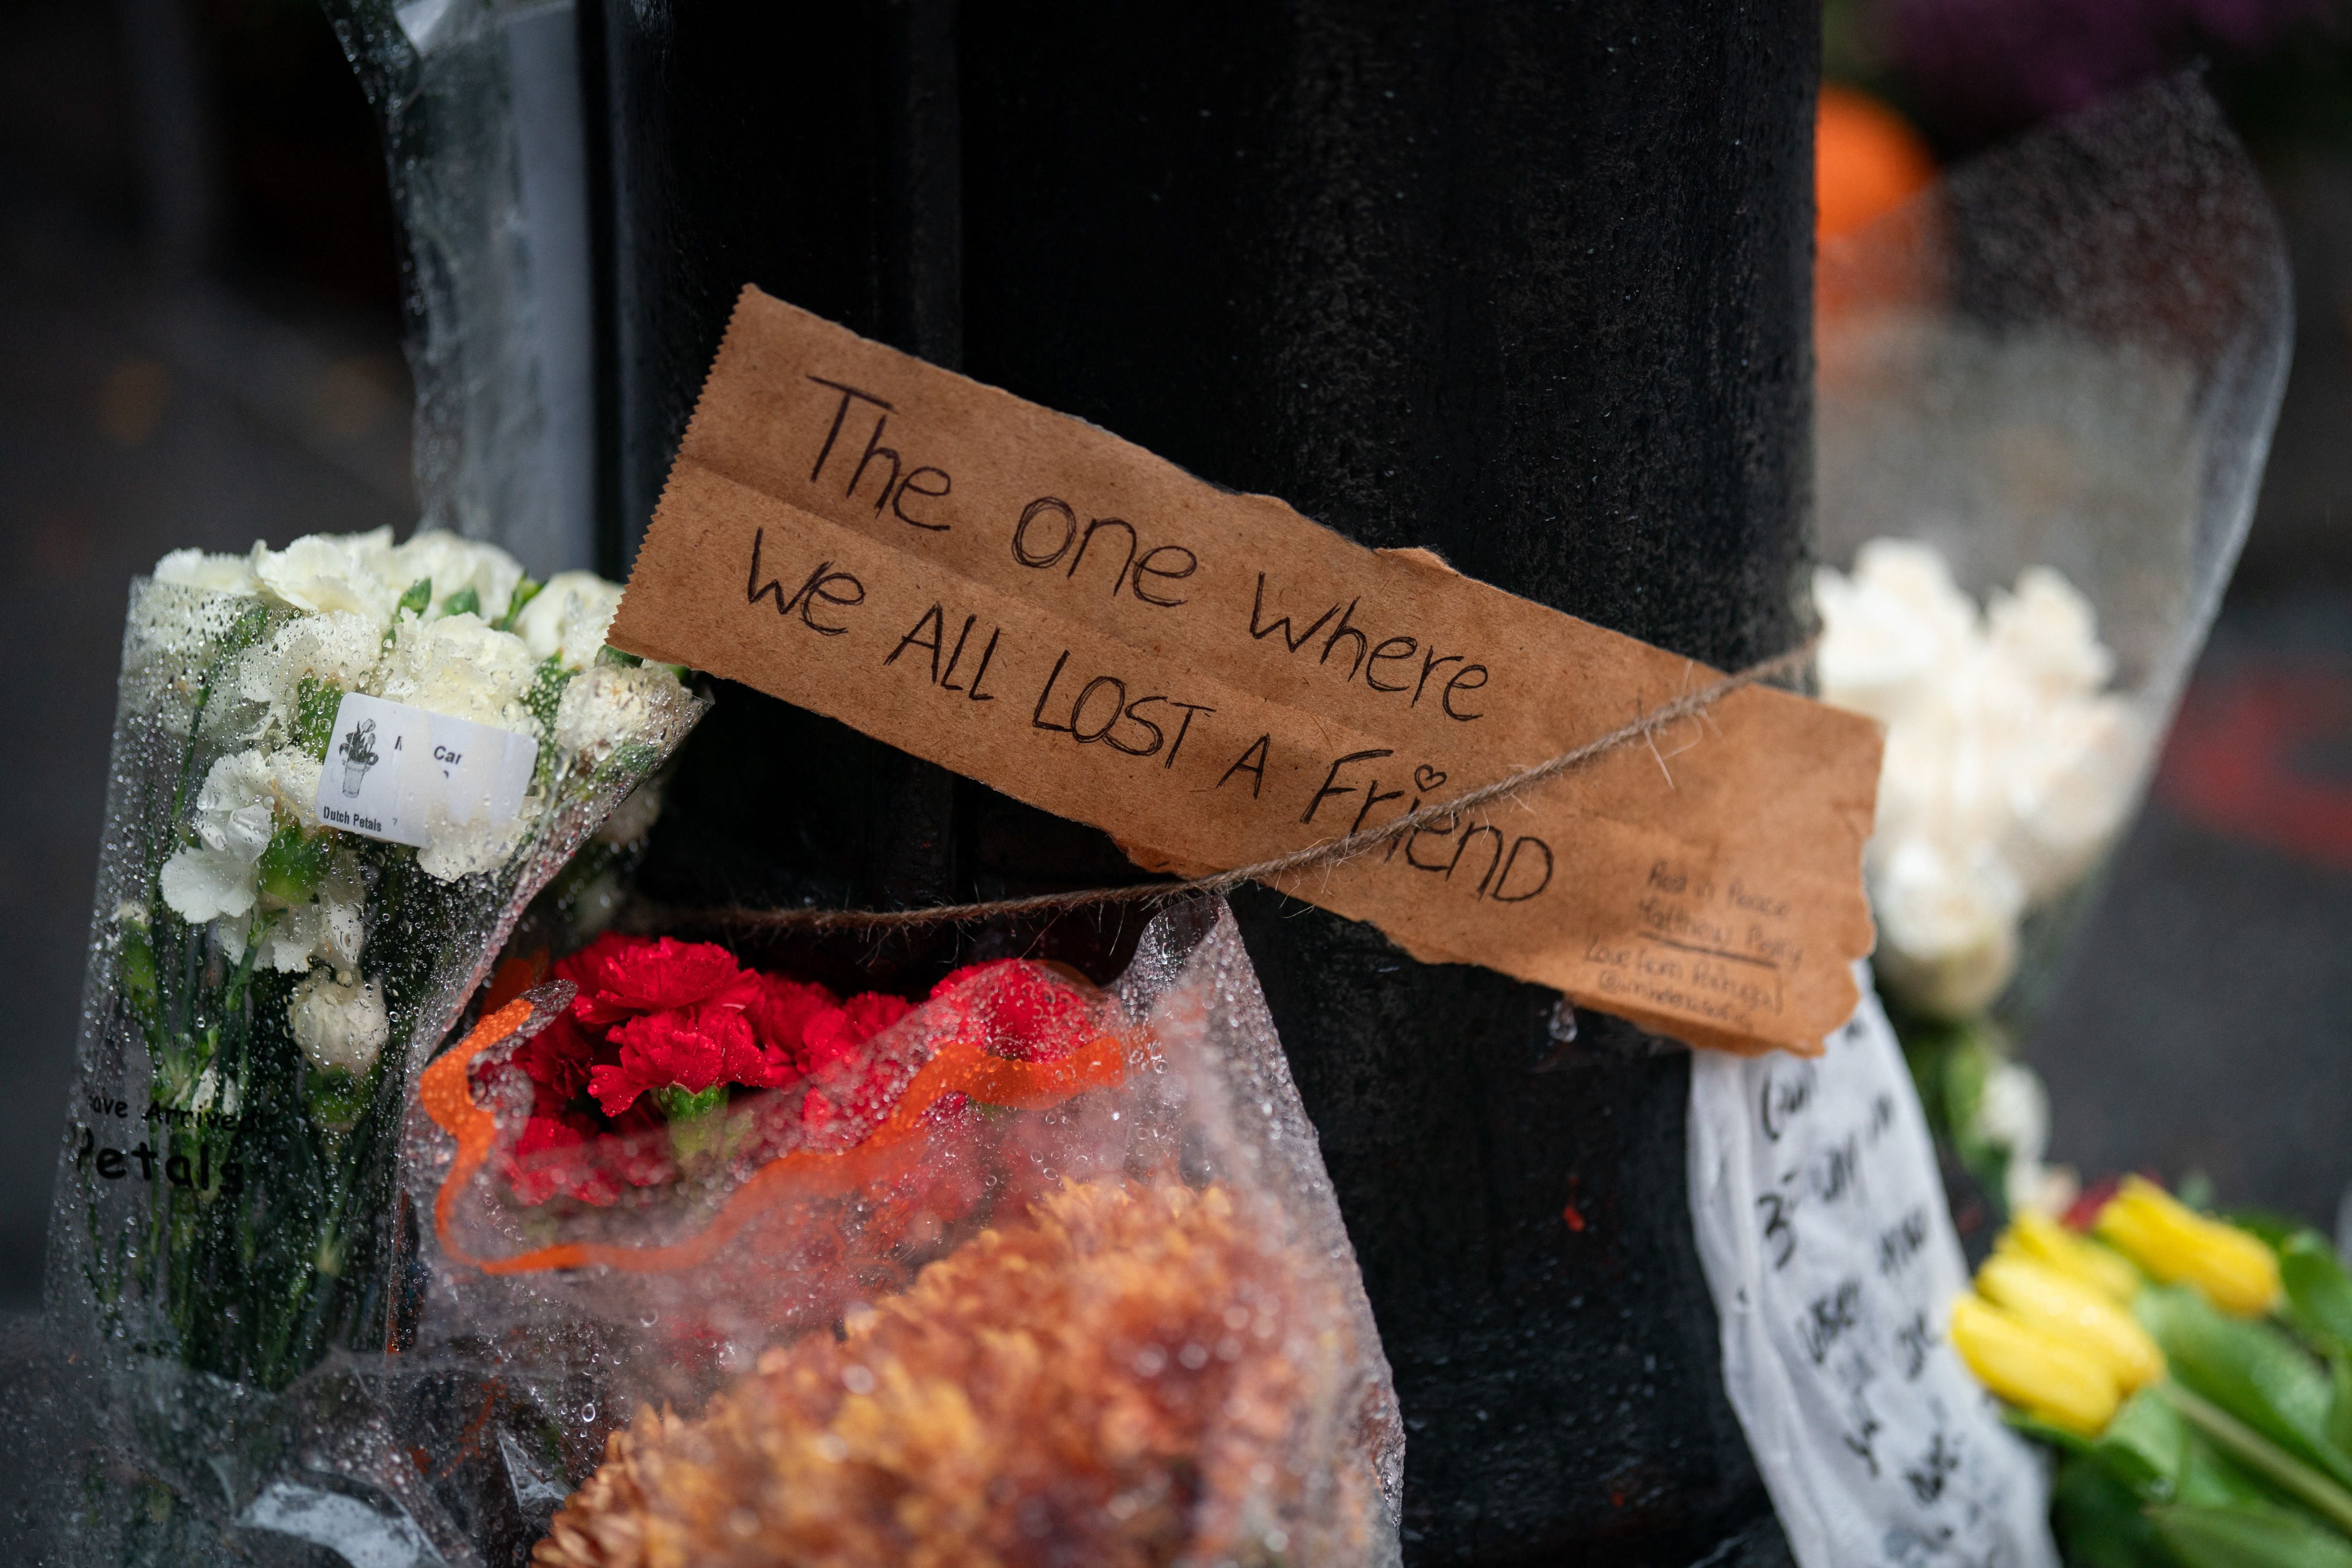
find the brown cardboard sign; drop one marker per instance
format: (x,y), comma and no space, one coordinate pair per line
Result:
(1033,602)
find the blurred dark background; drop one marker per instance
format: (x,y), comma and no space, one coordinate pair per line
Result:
(200,321)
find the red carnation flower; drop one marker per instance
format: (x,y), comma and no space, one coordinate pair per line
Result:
(552,1159)
(621,977)
(781,1010)
(839,1033)
(692,1048)
(1024,1010)
(558,1058)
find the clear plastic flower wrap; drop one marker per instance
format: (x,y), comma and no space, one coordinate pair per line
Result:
(264,984)
(2047,387)
(1029,1272)
(2046,391)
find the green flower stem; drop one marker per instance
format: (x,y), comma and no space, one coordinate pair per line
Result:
(699,1128)
(238,638)
(2250,1447)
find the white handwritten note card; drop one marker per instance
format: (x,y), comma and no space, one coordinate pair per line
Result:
(1823,1227)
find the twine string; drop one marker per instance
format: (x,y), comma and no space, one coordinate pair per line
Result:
(1328,853)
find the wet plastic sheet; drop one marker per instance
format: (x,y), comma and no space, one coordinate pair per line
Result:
(263,988)
(2066,356)
(1822,1225)
(486,155)
(989,1301)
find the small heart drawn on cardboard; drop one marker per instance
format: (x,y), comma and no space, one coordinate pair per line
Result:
(1426,778)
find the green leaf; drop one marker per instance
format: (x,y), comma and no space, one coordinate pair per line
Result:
(2098,1519)
(2339,1412)
(419,594)
(2209,1475)
(249,628)
(2147,1446)
(292,866)
(2252,1370)
(630,759)
(466,601)
(137,968)
(2248,1535)
(2265,1225)
(315,706)
(546,694)
(2264,1462)
(609,655)
(525,592)
(2318,1293)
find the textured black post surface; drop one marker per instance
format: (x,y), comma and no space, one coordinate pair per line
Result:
(1524,283)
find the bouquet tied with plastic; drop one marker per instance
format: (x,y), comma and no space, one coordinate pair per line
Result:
(1031,1271)
(2046,391)
(339,773)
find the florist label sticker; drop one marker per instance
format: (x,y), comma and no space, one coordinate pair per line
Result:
(1214,681)
(392,769)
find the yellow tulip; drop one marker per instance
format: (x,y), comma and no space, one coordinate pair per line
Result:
(2236,1271)
(2052,1245)
(2072,1312)
(2033,1370)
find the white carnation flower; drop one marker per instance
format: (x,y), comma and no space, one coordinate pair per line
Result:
(339,649)
(234,824)
(2070,787)
(328,927)
(232,930)
(460,666)
(2005,774)
(1890,630)
(342,929)
(453,563)
(609,703)
(322,572)
(1948,923)
(2049,634)
(2014,1113)
(1940,779)
(200,884)
(286,944)
(568,617)
(340,1024)
(294,785)
(2014,1110)
(332,927)
(213,573)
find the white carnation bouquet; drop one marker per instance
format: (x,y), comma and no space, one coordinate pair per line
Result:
(2044,390)
(340,770)
(2011,763)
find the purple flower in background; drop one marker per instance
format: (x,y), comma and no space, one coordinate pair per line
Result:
(1994,66)
(2248,26)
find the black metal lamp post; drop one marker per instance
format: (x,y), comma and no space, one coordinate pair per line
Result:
(1525,283)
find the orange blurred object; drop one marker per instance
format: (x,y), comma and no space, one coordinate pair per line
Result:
(1867,160)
